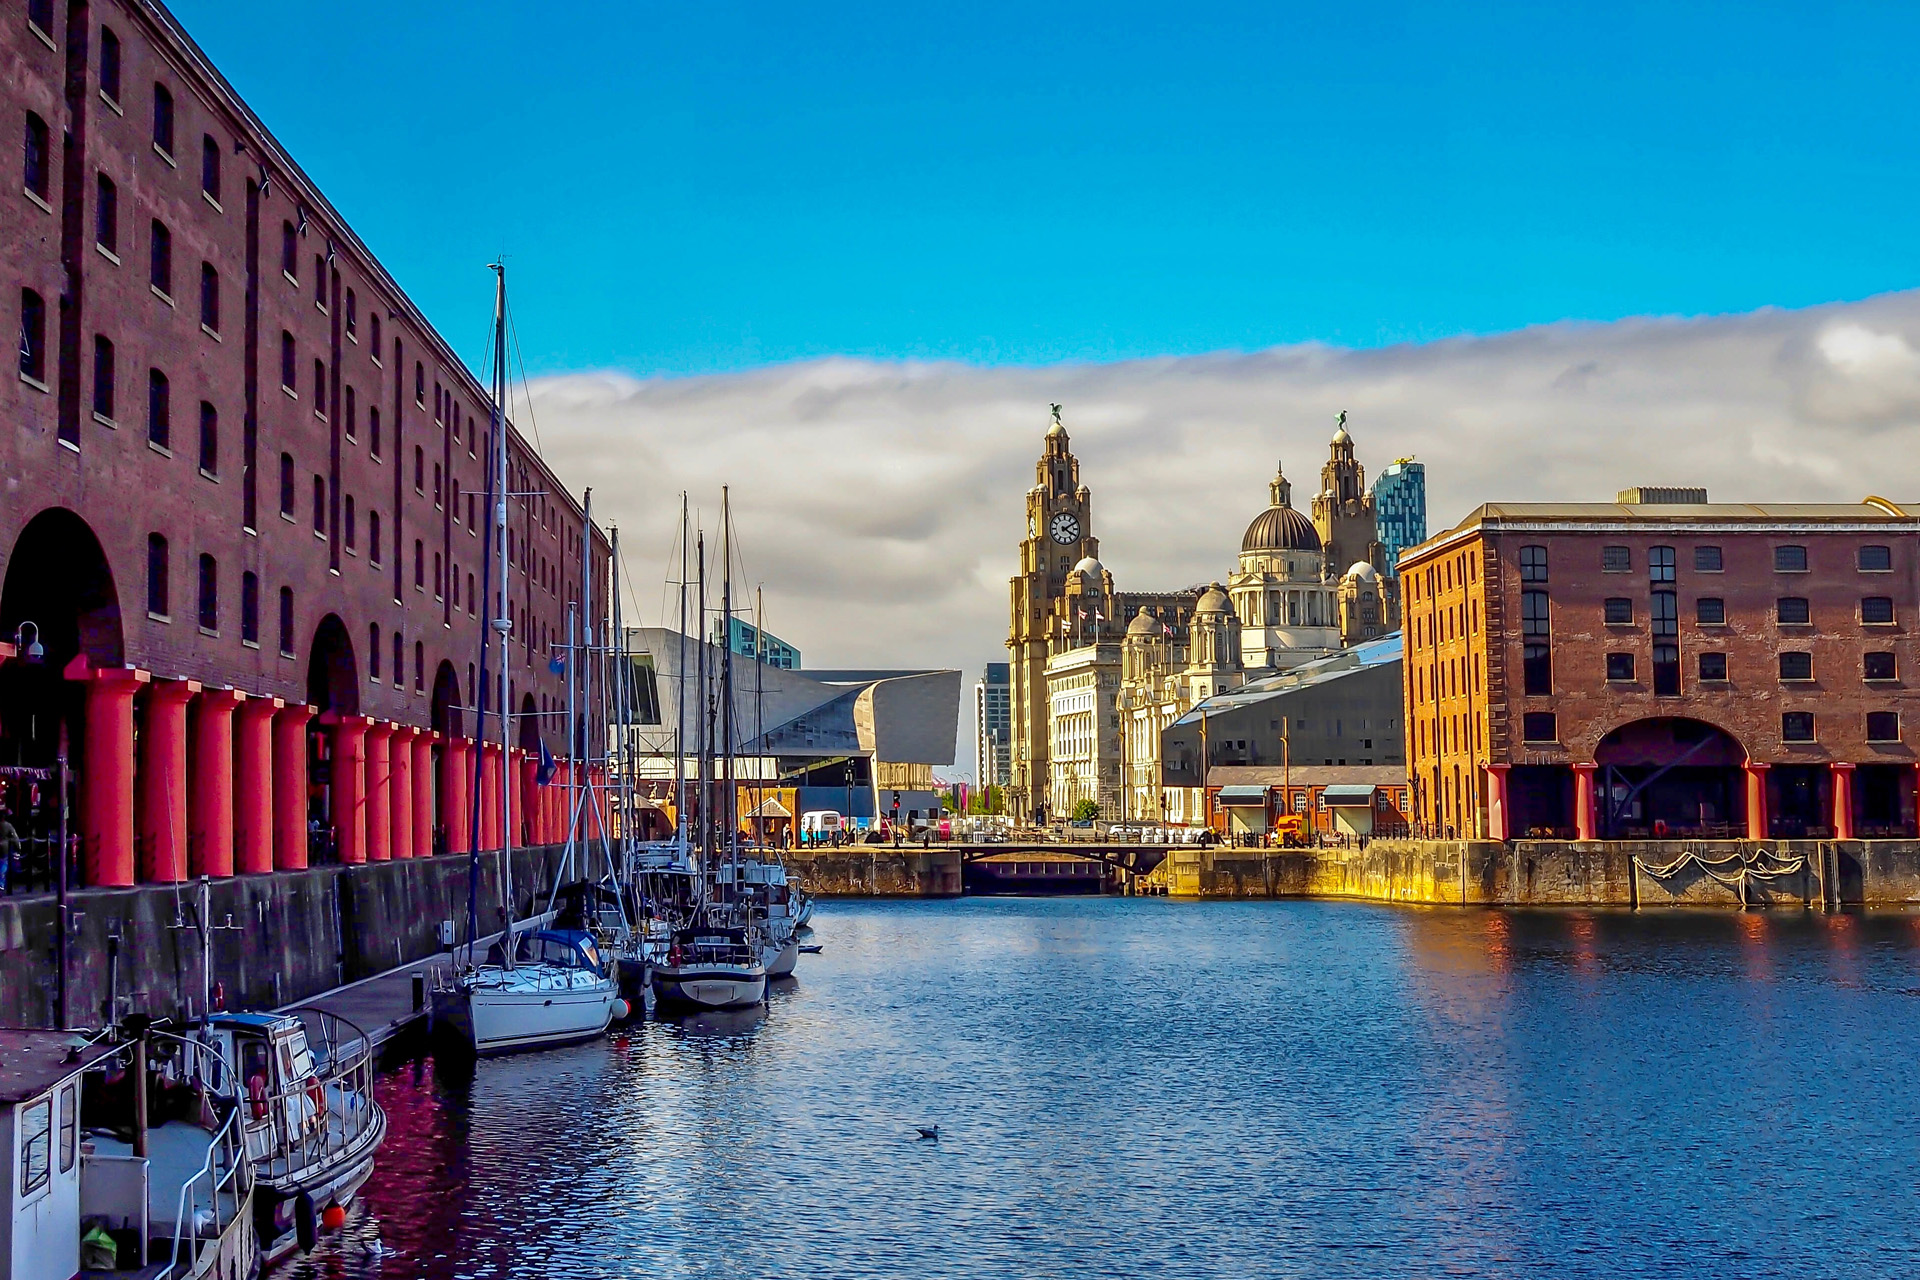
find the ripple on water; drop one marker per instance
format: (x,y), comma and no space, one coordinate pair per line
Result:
(1134,1087)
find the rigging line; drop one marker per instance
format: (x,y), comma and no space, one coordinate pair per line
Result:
(533,423)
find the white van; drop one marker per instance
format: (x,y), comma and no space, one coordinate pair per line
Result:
(823,822)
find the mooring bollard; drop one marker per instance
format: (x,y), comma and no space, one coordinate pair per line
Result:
(419,992)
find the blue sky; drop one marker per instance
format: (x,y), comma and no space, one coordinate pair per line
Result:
(713,187)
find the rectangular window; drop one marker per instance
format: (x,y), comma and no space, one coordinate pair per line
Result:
(373,430)
(209,439)
(40,14)
(320,281)
(1792,611)
(1790,559)
(1619,611)
(250,607)
(419,667)
(163,120)
(1660,564)
(106,214)
(1876,610)
(286,485)
(109,64)
(209,297)
(209,593)
(1883,726)
(352,423)
(286,622)
(319,504)
(160,259)
(1619,667)
(103,376)
(1666,670)
(36,1146)
(210,167)
(373,537)
(69,1126)
(1537,669)
(289,252)
(1795,665)
(1713,666)
(159,409)
(1796,726)
(33,336)
(1533,564)
(1616,559)
(353,316)
(349,522)
(1665,614)
(1706,560)
(320,387)
(289,358)
(373,651)
(419,565)
(1710,610)
(156,575)
(1881,666)
(399,662)
(39,160)
(1876,559)
(1539,726)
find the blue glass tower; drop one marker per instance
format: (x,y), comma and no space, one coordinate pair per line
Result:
(1400,507)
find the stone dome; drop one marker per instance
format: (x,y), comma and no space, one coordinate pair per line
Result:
(1280,528)
(1090,567)
(1143,624)
(1214,600)
(1341,437)
(1363,571)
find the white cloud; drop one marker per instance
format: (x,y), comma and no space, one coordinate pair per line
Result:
(881,503)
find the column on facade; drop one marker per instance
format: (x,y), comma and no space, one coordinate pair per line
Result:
(1842,800)
(489,796)
(455,774)
(1499,822)
(290,787)
(423,741)
(1586,810)
(527,802)
(1758,825)
(379,786)
(163,782)
(349,788)
(253,785)
(400,791)
(210,801)
(107,777)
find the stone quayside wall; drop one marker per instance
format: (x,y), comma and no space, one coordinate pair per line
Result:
(297,934)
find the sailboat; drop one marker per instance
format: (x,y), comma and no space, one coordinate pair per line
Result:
(715,959)
(540,988)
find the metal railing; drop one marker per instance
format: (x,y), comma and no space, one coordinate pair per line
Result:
(312,1121)
(225,1171)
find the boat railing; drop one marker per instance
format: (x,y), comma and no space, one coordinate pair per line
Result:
(225,1172)
(309,1122)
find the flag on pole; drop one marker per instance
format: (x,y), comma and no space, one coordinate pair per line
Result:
(557,665)
(544,774)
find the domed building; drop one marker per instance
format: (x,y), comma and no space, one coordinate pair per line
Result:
(1288,613)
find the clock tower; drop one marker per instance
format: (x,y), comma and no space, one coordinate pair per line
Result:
(1059,535)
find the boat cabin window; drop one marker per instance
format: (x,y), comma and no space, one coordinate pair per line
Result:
(36,1146)
(69,1126)
(553,951)
(254,1062)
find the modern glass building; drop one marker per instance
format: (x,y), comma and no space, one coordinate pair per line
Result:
(993,726)
(750,642)
(1400,506)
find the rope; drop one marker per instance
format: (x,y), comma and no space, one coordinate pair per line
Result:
(1757,864)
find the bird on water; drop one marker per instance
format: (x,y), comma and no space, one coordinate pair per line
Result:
(931,1133)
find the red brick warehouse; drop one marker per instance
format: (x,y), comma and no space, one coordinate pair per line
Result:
(1662,665)
(243,511)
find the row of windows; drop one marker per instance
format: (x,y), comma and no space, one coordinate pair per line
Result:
(1795,726)
(1712,611)
(1795,665)
(1787,558)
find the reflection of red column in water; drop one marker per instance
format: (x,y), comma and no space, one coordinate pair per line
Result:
(1757,826)
(1842,800)
(400,792)
(253,785)
(290,787)
(210,815)
(163,782)
(1499,824)
(423,793)
(106,777)
(1585,823)
(379,785)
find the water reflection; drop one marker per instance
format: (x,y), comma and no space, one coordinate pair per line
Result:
(1129,1087)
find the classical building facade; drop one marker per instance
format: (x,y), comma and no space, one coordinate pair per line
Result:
(245,521)
(1292,597)
(1662,665)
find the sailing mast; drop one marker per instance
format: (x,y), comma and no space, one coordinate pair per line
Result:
(503,616)
(759,717)
(680,829)
(726,681)
(704,709)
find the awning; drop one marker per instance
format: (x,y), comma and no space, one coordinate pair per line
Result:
(1234,796)
(1349,793)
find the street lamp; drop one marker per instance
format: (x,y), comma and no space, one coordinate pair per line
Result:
(32,650)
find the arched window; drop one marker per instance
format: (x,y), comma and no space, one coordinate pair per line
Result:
(347,514)
(160,259)
(39,164)
(419,565)
(210,167)
(319,387)
(289,251)
(399,662)
(209,440)
(286,485)
(373,537)
(352,421)
(109,63)
(33,336)
(157,576)
(287,362)
(163,119)
(373,431)
(419,469)
(320,505)
(106,214)
(209,297)
(159,409)
(249,608)
(286,622)
(209,593)
(419,667)
(373,651)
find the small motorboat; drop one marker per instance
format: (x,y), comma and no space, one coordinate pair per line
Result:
(709,967)
(809,948)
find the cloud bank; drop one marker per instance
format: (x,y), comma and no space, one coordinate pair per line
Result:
(881,504)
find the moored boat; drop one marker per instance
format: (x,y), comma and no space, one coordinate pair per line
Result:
(557,990)
(711,968)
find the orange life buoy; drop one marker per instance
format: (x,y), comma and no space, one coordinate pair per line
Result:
(257,1095)
(316,1095)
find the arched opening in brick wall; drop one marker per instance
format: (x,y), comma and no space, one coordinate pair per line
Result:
(333,685)
(1670,776)
(529,726)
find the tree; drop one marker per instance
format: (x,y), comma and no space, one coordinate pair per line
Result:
(1086,811)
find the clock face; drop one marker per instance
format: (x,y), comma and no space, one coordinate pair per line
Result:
(1065,528)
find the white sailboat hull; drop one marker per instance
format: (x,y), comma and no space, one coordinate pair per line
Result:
(781,957)
(516,1016)
(710,986)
